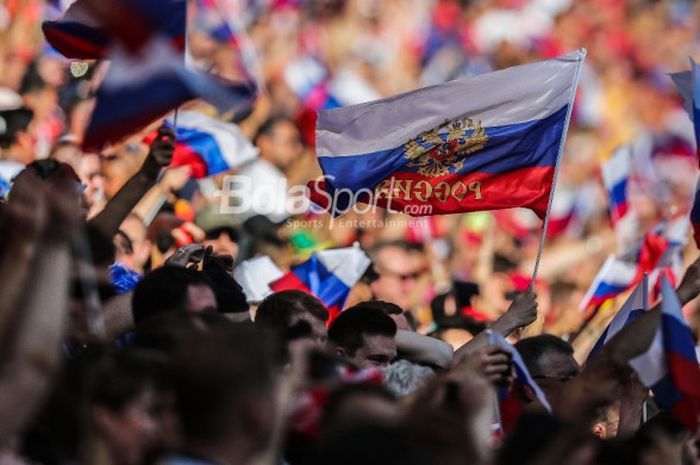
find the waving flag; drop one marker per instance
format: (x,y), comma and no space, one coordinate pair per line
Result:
(670,367)
(614,278)
(616,172)
(510,405)
(482,143)
(633,307)
(82,33)
(139,89)
(209,146)
(688,84)
(328,275)
(254,276)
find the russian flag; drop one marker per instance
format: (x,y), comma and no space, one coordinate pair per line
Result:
(481,143)
(328,275)
(509,404)
(208,146)
(82,34)
(670,367)
(634,306)
(614,278)
(139,89)
(688,84)
(616,173)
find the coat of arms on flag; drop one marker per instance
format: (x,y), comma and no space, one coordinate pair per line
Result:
(442,150)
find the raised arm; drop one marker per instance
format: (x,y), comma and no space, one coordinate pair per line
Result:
(160,156)
(39,322)
(522,312)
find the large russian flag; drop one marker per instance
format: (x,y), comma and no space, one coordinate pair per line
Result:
(614,278)
(328,275)
(209,146)
(139,89)
(481,143)
(670,366)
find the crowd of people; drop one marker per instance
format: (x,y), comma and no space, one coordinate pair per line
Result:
(128,341)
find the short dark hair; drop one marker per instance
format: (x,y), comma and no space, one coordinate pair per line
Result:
(351,325)
(268,127)
(531,349)
(216,376)
(12,122)
(164,290)
(122,376)
(276,311)
(388,308)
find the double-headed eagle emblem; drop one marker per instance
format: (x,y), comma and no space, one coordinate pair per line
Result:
(442,150)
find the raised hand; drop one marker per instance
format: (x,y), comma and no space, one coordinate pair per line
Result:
(161,153)
(522,311)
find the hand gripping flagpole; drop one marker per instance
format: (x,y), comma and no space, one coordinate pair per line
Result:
(545,225)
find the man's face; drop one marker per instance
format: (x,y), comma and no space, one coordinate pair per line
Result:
(136,231)
(555,370)
(222,244)
(282,146)
(398,273)
(131,431)
(377,351)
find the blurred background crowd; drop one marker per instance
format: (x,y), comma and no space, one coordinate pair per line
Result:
(453,273)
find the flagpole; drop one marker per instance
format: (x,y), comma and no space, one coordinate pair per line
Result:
(645,291)
(545,225)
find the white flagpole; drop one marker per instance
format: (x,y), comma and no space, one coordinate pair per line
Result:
(545,225)
(645,292)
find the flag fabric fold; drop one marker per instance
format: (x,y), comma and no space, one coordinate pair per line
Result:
(688,84)
(481,143)
(633,307)
(616,173)
(614,278)
(138,89)
(81,33)
(669,366)
(328,275)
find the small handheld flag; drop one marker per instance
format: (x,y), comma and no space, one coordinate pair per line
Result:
(328,275)
(670,367)
(509,405)
(209,146)
(633,307)
(688,84)
(614,277)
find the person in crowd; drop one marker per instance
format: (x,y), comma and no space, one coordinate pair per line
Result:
(397,272)
(296,317)
(171,289)
(225,391)
(551,364)
(364,336)
(15,141)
